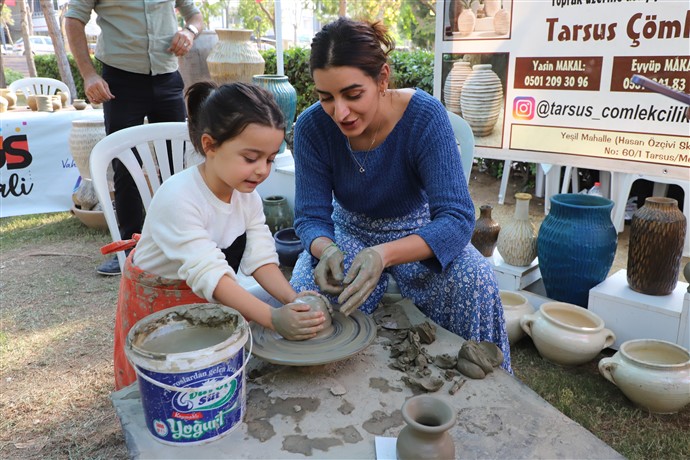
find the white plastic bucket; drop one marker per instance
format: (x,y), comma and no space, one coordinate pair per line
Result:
(190,364)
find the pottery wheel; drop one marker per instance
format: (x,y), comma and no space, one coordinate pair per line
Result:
(350,335)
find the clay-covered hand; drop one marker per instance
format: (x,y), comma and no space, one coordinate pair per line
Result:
(323,298)
(296,321)
(361,280)
(328,273)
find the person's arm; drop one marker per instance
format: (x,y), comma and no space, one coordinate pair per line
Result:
(96,89)
(182,41)
(273,281)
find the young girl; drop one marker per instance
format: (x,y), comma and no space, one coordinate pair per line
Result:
(206,222)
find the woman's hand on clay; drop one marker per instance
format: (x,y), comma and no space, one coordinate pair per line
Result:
(328,273)
(296,321)
(361,279)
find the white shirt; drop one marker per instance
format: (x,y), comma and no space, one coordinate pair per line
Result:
(186,227)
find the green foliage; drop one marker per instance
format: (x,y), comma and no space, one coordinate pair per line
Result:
(46,66)
(413,69)
(249,10)
(12,75)
(296,64)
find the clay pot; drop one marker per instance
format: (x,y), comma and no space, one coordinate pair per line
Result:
(79,104)
(3,104)
(44,103)
(426,434)
(567,334)
(285,95)
(278,213)
(92,219)
(517,240)
(653,374)
(657,233)
(482,99)
(452,88)
(502,22)
(515,306)
(83,136)
(319,303)
(234,57)
(31,102)
(288,246)
(466,22)
(64,99)
(10,96)
(576,246)
(57,102)
(486,230)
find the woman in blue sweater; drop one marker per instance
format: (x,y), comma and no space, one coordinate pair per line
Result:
(380,189)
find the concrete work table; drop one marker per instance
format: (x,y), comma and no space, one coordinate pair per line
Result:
(337,410)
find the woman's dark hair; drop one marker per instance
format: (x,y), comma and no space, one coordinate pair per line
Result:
(224,111)
(345,42)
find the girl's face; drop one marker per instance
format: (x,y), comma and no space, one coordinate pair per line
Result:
(240,163)
(350,97)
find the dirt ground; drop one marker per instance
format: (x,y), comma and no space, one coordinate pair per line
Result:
(56,371)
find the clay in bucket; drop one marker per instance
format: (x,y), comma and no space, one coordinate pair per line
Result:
(190,364)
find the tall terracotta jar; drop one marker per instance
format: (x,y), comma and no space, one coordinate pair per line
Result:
(517,240)
(486,231)
(481,99)
(193,65)
(234,57)
(576,245)
(426,434)
(657,234)
(452,88)
(84,135)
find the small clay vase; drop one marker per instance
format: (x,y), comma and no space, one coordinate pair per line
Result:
(79,104)
(10,96)
(63,98)
(426,434)
(3,104)
(44,103)
(486,231)
(319,303)
(515,306)
(657,235)
(277,212)
(517,241)
(57,102)
(288,245)
(31,102)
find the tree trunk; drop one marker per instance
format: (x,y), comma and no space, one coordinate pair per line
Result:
(2,43)
(342,8)
(59,44)
(26,20)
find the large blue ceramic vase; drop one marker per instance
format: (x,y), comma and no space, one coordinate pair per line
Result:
(285,95)
(576,245)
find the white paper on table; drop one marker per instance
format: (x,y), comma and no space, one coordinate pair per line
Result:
(385,448)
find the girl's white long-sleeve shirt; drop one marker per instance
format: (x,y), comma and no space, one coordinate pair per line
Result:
(186,227)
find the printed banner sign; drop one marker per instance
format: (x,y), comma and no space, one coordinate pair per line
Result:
(556,76)
(37,172)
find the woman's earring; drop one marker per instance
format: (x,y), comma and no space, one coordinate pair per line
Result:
(383,93)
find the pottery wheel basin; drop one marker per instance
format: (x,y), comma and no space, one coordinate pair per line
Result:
(350,335)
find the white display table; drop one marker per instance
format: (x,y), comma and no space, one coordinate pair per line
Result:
(512,278)
(631,315)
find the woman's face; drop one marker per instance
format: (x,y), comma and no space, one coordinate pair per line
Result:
(349,96)
(243,162)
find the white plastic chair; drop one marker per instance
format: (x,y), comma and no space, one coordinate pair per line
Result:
(465,138)
(40,85)
(163,148)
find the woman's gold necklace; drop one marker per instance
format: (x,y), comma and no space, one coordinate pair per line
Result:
(361,165)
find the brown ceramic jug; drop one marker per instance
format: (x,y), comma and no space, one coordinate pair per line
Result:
(486,231)
(426,434)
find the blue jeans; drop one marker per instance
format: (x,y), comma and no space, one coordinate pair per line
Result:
(156,97)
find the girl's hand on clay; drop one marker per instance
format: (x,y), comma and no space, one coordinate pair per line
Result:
(316,294)
(296,321)
(328,273)
(361,279)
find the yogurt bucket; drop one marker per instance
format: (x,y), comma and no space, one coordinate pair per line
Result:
(190,364)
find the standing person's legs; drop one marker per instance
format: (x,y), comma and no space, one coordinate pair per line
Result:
(129,108)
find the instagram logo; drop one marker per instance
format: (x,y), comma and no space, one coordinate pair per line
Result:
(523,108)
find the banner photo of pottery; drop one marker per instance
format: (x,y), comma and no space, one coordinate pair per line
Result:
(477,19)
(474,87)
